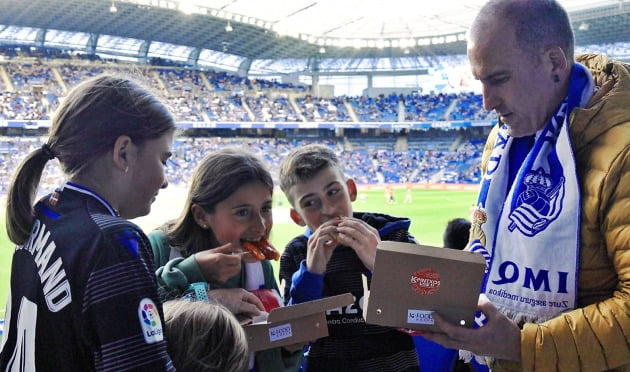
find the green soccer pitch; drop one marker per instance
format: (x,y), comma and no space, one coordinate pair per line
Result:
(429,212)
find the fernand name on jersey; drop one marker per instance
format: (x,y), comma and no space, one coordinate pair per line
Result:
(51,274)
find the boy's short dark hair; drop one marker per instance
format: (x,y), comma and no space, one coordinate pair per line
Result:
(457,233)
(304,163)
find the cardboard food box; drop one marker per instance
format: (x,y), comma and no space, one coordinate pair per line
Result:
(293,324)
(411,281)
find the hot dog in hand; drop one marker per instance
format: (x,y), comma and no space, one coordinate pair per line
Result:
(261,250)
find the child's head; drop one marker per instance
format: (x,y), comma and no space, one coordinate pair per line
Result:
(97,112)
(229,200)
(101,116)
(204,337)
(457,233)
(312,178)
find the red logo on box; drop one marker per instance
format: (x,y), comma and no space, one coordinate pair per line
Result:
(425,281)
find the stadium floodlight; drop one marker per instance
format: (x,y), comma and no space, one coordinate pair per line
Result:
(322,50)
(281,31)
(359,43)
(450,39)
(186,7)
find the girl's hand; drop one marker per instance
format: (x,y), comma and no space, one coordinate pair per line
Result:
(237,300)
(219,264)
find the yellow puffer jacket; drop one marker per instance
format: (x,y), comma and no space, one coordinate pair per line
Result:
(596,336)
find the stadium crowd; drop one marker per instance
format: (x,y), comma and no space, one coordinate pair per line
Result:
(31,84)
(366,165)
(34,80)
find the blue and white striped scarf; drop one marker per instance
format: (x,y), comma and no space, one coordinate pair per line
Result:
(529,231)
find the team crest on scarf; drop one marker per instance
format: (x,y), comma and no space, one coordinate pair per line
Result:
(538,205)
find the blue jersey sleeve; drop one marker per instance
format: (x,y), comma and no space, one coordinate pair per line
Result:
(305,285)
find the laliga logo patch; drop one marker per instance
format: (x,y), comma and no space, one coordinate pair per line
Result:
(150,321)
(425,281)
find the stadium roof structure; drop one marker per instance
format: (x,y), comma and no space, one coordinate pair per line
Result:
(240,32)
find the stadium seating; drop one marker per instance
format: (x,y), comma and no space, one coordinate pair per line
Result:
(31,86)
(207,96)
